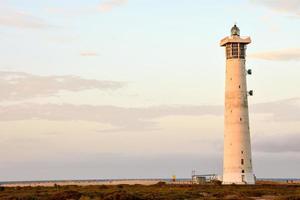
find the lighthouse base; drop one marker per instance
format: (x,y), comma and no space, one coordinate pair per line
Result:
(238,178)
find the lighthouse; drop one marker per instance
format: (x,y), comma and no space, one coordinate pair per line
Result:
(237,162)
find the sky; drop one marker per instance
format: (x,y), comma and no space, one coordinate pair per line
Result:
(135,88)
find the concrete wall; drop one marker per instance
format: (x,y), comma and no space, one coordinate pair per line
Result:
(237,166)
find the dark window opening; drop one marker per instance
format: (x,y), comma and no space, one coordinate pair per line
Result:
(235,50)
(240,86)
(242,152)
(242,51)
(242,161)
(243,171)
(241,119)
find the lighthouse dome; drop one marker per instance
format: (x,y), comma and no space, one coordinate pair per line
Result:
(235,30)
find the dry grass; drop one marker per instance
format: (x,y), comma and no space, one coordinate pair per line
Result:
(154,192)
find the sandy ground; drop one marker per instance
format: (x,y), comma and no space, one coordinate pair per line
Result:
(113,182)
(87,182)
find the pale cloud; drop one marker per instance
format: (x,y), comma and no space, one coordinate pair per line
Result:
(104,6)
(133,119)
(67,166)
(272,25)
(143,118)
(20,86)
(72,11)
(108,5)
(88,54)
(291,7)
(282,143)
(280,111)
(64,39)
(279,55)
(18,19)
(131,137)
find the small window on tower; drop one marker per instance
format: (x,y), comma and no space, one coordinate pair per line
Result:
(235,50)
(241,119)
(240,86)
(242,51)
(242,152)
(242,161)
(243,171)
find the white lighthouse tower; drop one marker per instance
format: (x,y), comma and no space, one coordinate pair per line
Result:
(237,166)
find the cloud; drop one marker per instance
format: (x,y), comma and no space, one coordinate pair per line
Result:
(63,39)
(20,86)
(108,5)
(71,12)
(19,19)
(279,144)
(138,140)
(119,117)
(68,166)
(88,54)
(281,55)
(143,118)
(291,7)
(283,110)
(86,9)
